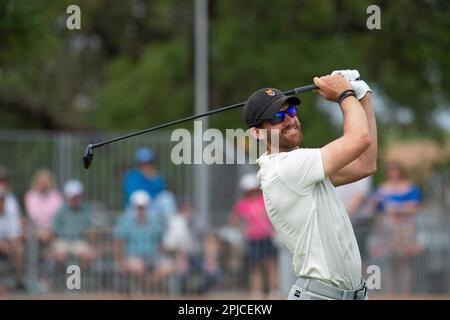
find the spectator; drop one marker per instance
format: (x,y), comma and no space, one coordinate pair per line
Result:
(42,203)
(138,244)
(11,202)
(398,200)
(11,244)
(72,226)
(258,232)
(146,177)
(194,248)
(355,198)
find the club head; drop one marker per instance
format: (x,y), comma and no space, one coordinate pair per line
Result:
(88,156)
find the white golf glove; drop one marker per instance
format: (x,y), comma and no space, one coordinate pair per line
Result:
(349,75)
(360,86)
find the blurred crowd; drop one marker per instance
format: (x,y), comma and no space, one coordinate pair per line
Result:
(155,237)
(160,239)
(384,221)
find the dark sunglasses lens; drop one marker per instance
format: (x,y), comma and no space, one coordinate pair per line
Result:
(292,111)
(278,118)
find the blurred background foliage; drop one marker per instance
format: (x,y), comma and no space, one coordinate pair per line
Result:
(131,65)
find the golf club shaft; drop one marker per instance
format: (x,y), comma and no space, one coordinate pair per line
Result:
(233,106)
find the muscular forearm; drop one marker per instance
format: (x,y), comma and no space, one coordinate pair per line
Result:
(355,120)
(365,164)
(369,157)
(341,152)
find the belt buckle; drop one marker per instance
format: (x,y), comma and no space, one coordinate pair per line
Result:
(364,288)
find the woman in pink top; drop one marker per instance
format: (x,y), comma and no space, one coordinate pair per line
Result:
(42,203)
(250,212)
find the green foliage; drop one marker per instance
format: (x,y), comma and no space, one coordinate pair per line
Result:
(133,60)
(155,89)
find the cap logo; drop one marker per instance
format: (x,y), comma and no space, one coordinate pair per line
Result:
(270,92)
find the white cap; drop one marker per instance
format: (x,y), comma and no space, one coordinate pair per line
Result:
(140,198)
(73,188)
(249,182)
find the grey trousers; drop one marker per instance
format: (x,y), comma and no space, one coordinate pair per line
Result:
(298,293)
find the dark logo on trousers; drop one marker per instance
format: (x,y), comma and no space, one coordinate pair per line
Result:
(297,293)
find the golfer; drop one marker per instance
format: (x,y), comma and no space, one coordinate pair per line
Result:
(298,184)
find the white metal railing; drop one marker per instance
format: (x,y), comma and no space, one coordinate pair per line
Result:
(23,152)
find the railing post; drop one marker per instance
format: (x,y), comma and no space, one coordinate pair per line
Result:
(31,260)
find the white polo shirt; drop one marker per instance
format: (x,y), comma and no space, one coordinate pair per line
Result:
(309,217)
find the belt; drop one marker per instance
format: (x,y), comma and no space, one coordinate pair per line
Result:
(317,287)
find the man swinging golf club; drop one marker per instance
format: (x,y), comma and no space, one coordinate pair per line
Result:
(298,184)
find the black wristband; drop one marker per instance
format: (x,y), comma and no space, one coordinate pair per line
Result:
(346,94)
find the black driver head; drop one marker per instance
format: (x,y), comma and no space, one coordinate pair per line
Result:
(88,156)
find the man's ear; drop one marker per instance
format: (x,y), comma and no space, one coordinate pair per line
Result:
(258,133)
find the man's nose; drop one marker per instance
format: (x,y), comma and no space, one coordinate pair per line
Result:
(288,120)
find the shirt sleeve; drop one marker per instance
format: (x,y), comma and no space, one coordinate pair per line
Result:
(301,169)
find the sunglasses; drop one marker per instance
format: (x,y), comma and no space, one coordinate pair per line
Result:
(291,111)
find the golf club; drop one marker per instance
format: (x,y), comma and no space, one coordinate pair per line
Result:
(88,155)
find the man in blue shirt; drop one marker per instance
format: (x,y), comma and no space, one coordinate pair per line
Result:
(145,177)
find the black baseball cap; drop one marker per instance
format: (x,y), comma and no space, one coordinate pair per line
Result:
(264,103)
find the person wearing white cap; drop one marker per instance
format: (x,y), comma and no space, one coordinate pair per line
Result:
(138,242)
(72,226)
(145,177)
(258,231)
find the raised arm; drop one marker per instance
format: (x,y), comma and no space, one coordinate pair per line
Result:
(356,138)
(366,164)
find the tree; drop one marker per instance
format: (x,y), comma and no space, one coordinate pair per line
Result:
(133,60)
